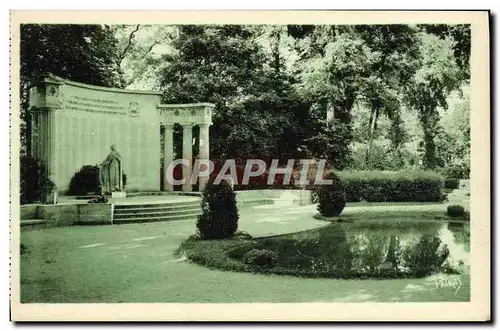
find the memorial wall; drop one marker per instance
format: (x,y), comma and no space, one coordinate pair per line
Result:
(80,122)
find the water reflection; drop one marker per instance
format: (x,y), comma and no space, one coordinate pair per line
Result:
(376,249)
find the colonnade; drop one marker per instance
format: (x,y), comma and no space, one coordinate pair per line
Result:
(195,114)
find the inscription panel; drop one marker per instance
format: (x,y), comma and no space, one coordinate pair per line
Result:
(94,105)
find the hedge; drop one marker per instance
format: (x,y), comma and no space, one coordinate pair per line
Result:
(386,186)
(451,183)
(31,179)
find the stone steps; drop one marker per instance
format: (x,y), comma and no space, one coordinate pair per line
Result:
(138,208)
(156,212)
(160,218)
(120,214)
(168,205)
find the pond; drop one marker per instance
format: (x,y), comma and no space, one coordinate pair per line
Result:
(363,250)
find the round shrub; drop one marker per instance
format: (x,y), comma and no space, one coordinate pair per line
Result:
(331,198)
(261,258)
(85,181)
(451,183)
(219,218)
(455,211)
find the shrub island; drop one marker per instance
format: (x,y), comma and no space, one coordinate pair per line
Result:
(364,250)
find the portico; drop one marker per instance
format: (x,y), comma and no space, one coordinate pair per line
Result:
(187,115)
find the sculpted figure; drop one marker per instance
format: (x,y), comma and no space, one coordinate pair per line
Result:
(110,172)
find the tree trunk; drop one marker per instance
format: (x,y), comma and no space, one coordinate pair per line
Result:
(373,125)
(428,119)
(276,51)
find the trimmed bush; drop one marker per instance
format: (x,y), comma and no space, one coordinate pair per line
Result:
(331,198)
(31,179)
(455,211)
(85,181)
(260,257)
(451,183)
(219,218)
(458,171)
(388,186)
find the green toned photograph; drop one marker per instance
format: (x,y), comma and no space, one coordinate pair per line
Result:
(245,163)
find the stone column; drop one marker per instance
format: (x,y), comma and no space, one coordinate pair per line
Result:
(52,149)
(187,154)
(46,142)
(45,101)
(204,151)
(168,154)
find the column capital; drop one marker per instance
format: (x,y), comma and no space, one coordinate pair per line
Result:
(187,125)
(167,125)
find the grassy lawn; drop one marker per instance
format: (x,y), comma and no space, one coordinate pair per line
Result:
(136,263)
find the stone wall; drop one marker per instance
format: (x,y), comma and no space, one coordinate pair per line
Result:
(28,212)
(70,214)
(58,215)
(95,213)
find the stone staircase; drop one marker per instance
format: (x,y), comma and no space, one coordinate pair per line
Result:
(156,212)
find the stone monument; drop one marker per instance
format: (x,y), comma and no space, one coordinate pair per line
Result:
(73,125)
(111,173)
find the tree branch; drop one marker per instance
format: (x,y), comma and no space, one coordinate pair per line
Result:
(150,48)
(129,43)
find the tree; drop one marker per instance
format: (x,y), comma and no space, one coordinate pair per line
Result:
(461,35)
(140,49)
(394,60)
(214,64)
(83,53)
(335,62)
(429,87)
(257,108)
(453,136)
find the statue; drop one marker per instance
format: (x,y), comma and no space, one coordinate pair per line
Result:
(110,172)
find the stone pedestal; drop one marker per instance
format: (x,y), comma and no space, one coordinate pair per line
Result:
(118,195)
